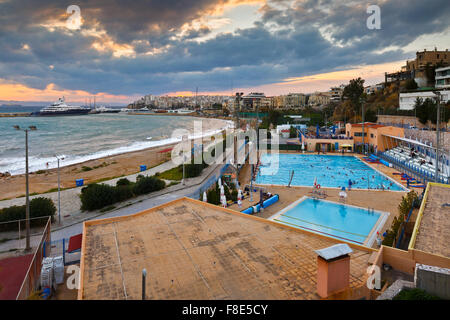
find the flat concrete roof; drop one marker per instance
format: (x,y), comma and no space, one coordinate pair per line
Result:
(432,230)
(194,250)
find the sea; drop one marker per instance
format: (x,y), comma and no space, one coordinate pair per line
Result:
(85,137)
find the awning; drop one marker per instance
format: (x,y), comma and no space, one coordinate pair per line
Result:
(409,141)
(75,243)
(346,145)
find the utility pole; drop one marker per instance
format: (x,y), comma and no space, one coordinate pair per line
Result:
(363,133)
(59,191)
(27,193)
(238,107)
(438,120)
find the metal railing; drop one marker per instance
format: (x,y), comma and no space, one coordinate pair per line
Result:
(413,170)
(30,283)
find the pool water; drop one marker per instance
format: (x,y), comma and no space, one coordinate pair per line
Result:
(330,171)
(339,221)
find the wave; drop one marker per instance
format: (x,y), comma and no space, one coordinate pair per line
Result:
(16,165)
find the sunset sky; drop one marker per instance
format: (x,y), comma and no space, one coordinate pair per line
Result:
(121,50)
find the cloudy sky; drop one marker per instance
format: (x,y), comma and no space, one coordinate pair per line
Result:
(120,50)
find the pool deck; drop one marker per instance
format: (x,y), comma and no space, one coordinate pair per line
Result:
(386,201)
(192,250)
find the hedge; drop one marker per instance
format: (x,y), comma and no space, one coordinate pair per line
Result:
(97,196)
(39,207)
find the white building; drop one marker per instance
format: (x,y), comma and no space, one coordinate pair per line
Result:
(443,77)
(408,99)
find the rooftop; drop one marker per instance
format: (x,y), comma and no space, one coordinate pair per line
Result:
(432,229)
(194,250)
(368,125)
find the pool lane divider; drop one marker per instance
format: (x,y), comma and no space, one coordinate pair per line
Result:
(321,225)
(314,230)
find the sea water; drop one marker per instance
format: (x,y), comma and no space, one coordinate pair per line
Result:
(82,138)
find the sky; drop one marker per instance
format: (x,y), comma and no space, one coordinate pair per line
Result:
(121,50)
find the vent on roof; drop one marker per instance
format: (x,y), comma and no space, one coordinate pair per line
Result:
(333,269)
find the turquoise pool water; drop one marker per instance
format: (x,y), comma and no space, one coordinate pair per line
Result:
(334,220)
(330,171)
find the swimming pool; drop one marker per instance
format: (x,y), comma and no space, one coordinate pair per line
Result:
(344,222)
(330,170)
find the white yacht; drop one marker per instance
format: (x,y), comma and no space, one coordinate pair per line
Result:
(60,108)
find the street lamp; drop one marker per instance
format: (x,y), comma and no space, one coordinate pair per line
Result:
(238,107)
(438,120)
(27,197)
(59,191)
(363,133)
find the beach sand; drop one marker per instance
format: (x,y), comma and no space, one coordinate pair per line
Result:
(102,169)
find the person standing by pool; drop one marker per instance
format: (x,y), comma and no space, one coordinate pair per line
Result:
(350,184)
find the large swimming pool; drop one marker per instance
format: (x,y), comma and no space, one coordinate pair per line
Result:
(330,170)
(339,221)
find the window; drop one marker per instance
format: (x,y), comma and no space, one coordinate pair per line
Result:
(359,134)
(371,135)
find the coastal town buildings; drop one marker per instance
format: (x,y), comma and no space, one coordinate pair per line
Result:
(319,99)
(255,100)
(171,102)
(421,68)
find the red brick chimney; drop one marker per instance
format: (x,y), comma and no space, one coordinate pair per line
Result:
(333,269)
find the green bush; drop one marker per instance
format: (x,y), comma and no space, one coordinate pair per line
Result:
(415,294)
(124,192)
(409,201)
(96,196)
(234,195)
(39,207)
(123,182)
(213,195)
(193,170)
(84,168)
(148,184)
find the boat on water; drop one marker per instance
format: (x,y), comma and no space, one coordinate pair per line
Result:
(60,108)
(103,109)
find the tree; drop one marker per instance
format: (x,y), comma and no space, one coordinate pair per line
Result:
(370,116)
(292,132)
(421,112)
(353,92)
(411,84)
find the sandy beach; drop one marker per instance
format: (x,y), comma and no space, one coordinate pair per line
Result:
(93,170)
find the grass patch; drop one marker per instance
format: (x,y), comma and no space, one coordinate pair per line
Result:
(173,183)
(104,164)
(175,174)
(415,294)
(41,171)
(85,168)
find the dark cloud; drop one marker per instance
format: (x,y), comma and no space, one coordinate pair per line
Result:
(287,41)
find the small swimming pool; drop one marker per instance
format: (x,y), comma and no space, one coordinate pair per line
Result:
(344,222)
(331,171)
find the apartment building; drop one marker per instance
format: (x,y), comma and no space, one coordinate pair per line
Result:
(442,78)
(256,100)
(319,99)
(295,100)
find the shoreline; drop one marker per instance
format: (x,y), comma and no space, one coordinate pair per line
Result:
(94,170)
